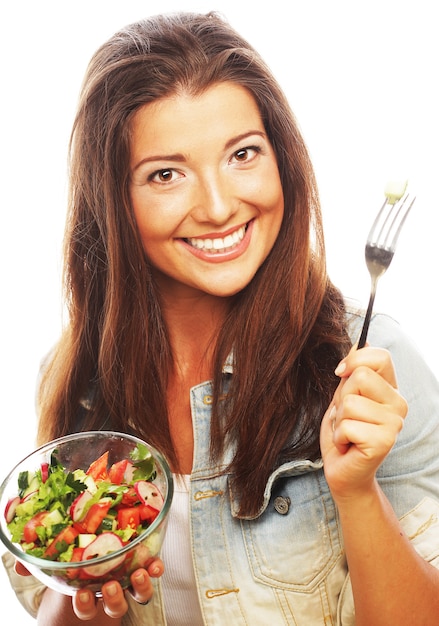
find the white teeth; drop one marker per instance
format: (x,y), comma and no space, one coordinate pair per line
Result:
(218,244)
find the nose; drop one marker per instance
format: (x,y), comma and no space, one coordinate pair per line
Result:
(214,200)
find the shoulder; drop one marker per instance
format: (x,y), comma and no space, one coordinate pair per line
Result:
(383,331)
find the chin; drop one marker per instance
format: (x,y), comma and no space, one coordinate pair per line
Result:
(227,291)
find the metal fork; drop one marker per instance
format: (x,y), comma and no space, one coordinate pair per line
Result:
(381,245)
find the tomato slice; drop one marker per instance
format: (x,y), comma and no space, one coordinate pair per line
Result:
(29,530)
(98,469)
(95,515)
(128,517)
(148,513)
(58,545)
(117,471)
(129,497)
(76,557)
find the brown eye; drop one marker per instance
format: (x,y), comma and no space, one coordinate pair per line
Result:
(241,155)
(164,175)
(244,155)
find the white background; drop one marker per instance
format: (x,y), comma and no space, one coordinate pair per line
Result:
(362,80)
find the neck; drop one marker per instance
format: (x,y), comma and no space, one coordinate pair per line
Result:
(193,324)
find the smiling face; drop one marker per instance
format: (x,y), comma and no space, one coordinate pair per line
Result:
(205,190)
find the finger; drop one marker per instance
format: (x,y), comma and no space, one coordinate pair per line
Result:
(360,421)
(141,589)
(327,433)
(84,604)
(365,383)
(365,440)
(377,359)
(156,568)
(113,598)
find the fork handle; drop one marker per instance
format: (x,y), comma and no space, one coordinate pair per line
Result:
(365,329)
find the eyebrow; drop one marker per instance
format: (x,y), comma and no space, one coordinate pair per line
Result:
(242,136)
(180,158)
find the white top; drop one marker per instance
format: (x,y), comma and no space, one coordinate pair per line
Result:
(180,597)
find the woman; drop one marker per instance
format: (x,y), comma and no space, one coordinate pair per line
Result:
(202,318)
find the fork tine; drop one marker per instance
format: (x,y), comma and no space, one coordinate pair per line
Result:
(382,233)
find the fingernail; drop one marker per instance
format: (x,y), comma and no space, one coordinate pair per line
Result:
(111,589)
(83,597)
(340,368)
(155,571)
(139,578)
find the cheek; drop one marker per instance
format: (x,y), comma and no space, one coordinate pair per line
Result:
(274,199)
(152,222)
(148,228)
(276,213)
(271,192)
(142,223)
(158,215)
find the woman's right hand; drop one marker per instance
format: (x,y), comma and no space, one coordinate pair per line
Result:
(113,596)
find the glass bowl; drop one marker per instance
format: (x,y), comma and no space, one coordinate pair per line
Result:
(118,559)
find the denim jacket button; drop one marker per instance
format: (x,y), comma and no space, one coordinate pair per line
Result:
(282,504)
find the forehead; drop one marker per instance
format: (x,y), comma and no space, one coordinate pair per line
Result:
(223,109)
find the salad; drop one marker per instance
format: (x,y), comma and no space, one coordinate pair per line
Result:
(78,515)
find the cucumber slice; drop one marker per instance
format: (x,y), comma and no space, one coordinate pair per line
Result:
(85,539)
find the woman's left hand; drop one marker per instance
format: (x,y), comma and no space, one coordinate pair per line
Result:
(362,422)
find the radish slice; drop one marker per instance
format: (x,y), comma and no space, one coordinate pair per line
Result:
(129,472)
(79,504)
(44,472)
(103,545)
(10,508)
(149,494)
(29,495)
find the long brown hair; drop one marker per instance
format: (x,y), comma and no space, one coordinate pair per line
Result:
(286,328)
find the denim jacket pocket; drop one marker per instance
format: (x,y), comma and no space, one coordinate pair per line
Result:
(421,526)
(296,542)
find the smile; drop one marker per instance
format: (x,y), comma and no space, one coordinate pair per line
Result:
(218,245)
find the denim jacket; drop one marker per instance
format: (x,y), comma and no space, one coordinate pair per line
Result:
(287,566)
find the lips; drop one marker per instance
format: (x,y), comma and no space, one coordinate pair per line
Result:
(213,245)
